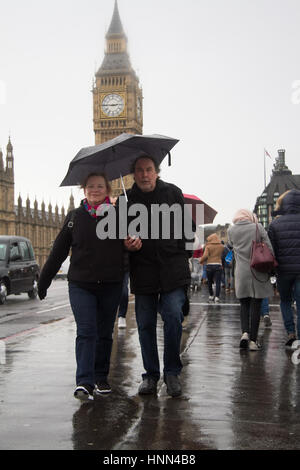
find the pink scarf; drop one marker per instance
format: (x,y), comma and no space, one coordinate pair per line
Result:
(94,211)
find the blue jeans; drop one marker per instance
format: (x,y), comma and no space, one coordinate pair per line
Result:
(289,289)
(95,314)
(169,305)
(124,297)
(264,309)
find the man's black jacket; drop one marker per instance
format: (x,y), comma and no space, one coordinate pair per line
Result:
(162,264)
(284,233)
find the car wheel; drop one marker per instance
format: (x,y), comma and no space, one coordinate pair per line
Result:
(32,294)
(3,293)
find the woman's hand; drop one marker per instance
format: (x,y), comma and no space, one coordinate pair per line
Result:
(132,243)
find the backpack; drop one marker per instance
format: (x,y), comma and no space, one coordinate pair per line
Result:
(229,258)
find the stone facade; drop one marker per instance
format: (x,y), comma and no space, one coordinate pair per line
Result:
(39,225)
(282,179)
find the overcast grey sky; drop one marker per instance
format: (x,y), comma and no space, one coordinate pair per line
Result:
(216,74)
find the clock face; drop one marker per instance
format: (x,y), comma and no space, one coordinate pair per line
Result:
(113,105)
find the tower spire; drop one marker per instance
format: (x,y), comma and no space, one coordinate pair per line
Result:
(116,27)
(9,158)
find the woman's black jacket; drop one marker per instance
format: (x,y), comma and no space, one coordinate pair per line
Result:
(92,260)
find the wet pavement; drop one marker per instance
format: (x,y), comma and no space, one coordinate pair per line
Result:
(231,399)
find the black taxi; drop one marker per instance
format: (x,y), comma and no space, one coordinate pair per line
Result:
(19,271)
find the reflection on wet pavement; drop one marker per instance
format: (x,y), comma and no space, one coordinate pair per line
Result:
(231,399)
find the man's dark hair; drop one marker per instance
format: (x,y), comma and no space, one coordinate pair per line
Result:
(156,165)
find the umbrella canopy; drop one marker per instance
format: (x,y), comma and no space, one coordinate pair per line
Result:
(115,157)
(209,212)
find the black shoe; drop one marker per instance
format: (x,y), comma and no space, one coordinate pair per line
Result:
(148,386)
(289,343)
(101,387)
(173,385)
(84,392)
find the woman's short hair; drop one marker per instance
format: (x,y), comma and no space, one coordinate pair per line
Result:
(156,165)
(90,175)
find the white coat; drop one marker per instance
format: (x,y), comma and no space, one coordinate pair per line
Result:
(240,236)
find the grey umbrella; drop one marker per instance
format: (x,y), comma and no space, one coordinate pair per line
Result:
(115,157)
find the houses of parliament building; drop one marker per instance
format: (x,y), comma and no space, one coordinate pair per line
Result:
(117,108)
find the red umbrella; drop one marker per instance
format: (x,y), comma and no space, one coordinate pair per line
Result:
(209,212)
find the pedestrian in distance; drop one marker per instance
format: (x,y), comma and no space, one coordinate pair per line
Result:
(213,257)
(196,269)
(95,282)
(123,307)
(228,266)
(250,286)
(284,233)
(265,312)
(159,278)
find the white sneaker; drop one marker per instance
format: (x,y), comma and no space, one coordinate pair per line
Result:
(267,321)
(84,393)
(217,300)
(121,322)
(254,346)
(211,298)
(244,342)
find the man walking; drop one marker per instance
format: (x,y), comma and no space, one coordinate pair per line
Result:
(159,276)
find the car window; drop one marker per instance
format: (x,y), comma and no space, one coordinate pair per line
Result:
(14,250)
(24,251)
(30,250)
(3,248)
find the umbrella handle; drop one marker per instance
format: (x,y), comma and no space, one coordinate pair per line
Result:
(123,186)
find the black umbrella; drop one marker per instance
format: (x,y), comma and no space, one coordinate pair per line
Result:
(115,157)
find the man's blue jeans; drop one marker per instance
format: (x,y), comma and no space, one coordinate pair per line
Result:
(289,290)
(95,314)
(169,305)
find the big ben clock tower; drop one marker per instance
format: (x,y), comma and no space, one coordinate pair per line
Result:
(117,95)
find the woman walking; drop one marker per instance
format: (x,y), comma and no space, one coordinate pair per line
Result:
(214,269)
(95,283)
(250,286)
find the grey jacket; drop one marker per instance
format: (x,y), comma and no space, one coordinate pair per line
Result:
(240,236)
